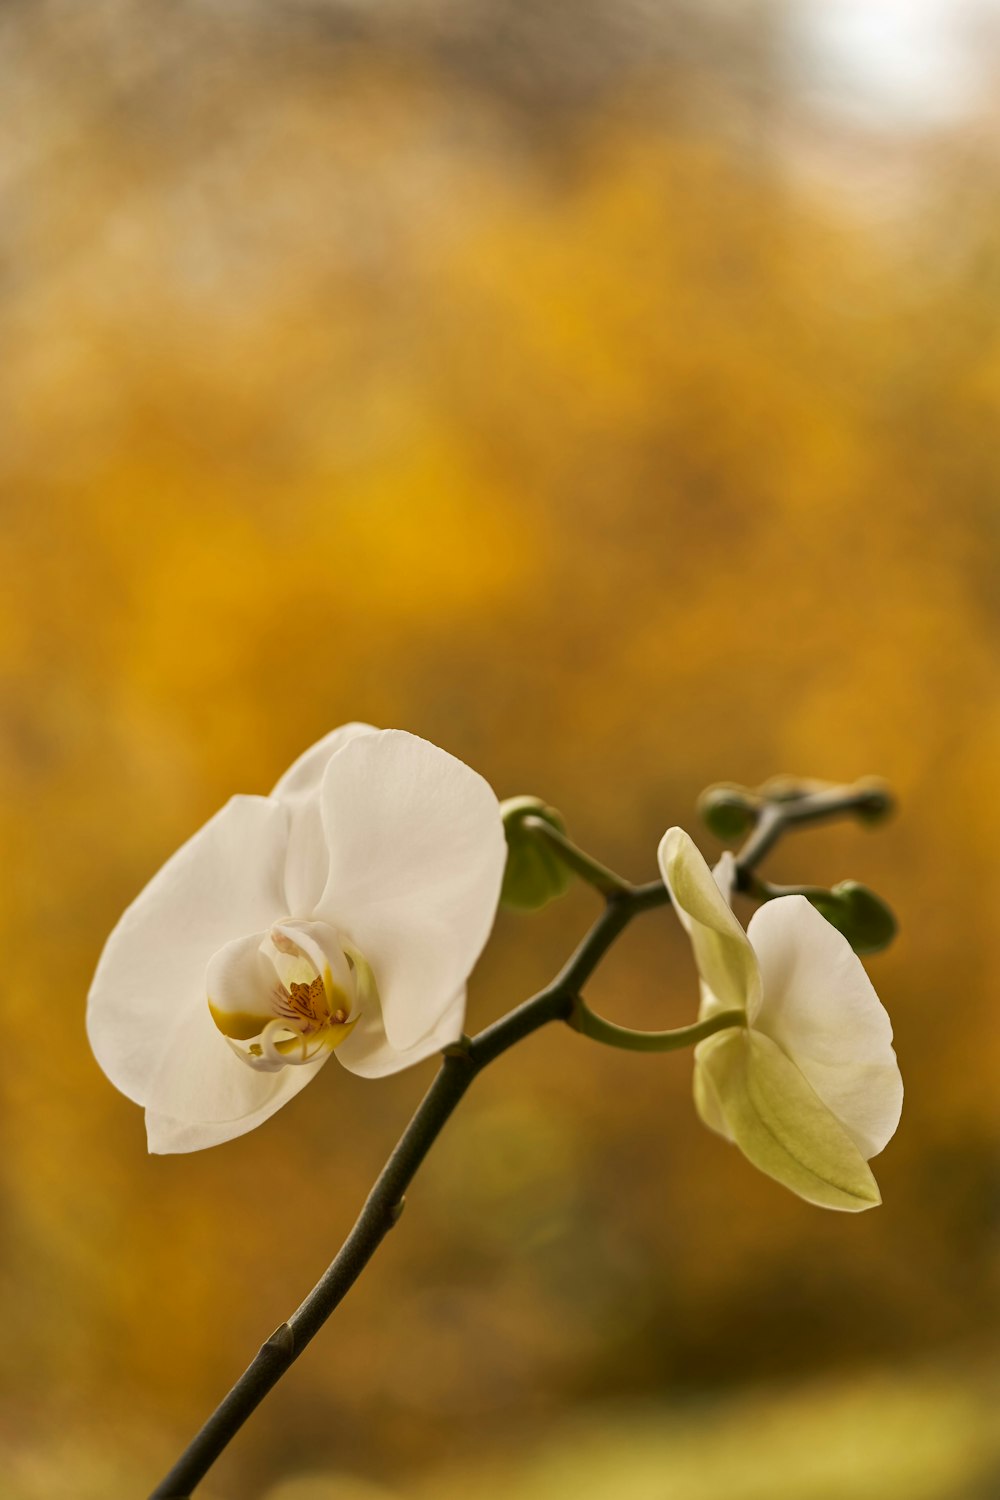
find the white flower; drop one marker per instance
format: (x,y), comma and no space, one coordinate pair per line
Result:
(343,913)
(809,1089)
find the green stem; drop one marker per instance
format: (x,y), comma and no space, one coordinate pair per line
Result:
(583,1019)
(573,857)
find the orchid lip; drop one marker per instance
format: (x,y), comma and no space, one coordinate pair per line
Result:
(299,992)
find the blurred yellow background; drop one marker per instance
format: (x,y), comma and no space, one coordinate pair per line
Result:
(609,394)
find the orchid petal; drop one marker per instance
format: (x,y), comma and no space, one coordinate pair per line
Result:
(781,1125)
(706,1098)
(417,853)
(226,880)
(820,1008)
(369,1053)
(304,776)
(165,1136)
(201,1080)
(725,959)
(308,860)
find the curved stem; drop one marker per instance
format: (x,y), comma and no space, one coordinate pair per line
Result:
(574,858)
(584,1020)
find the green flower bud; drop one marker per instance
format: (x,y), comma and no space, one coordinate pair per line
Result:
(535,874)
(876,801)
(865,920)
(727,810)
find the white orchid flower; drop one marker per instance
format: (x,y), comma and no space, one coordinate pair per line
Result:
(343,913)
(809,1089)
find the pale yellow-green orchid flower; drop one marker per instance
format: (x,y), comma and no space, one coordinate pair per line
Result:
(809,1089)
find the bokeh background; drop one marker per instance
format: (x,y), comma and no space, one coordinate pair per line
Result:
(608,392)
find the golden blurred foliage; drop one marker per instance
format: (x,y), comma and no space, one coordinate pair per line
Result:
(563,390)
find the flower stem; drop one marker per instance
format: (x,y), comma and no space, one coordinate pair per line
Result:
(583,1019)
(574,858)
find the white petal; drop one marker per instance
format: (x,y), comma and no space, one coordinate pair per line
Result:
(780,1125)
(367,1050)
(819,1006)
(722,951)
(417,853)
(308,861)
(304,776)
(201,1081)
(225,881)
(165,1136)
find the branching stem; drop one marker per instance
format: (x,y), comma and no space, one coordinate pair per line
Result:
(867,799)
(558,1001)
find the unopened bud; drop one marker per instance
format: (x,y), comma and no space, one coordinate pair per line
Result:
(875,800)
(535,874)
(866,921)
(728,810)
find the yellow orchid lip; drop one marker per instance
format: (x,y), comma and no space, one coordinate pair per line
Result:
(305,1017)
